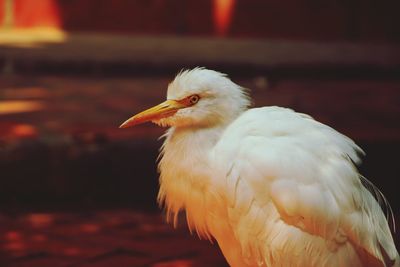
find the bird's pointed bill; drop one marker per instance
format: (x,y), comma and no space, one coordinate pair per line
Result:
(163,110)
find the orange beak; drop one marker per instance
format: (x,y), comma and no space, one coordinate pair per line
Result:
(163,110)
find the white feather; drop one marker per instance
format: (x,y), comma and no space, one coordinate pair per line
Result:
(272,186)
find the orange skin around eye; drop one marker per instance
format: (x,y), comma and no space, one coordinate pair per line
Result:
(189,101)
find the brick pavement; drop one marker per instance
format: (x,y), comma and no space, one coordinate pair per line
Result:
(123,238)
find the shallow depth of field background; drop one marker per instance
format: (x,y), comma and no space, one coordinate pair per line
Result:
(77,191)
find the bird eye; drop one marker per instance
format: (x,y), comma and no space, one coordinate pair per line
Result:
(193,99)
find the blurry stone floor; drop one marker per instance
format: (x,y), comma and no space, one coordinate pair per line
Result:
(123,238)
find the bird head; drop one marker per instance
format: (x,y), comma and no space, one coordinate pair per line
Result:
(197,98)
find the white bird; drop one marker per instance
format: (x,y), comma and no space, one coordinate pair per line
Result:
(273,187)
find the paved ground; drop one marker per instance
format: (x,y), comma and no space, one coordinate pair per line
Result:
(123,238)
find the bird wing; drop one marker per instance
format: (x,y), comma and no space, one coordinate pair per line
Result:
(291,186)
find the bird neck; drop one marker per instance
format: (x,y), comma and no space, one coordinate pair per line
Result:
(187,151)
(193,140)
(185,178)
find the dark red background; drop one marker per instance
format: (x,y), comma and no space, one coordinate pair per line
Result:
(351,20)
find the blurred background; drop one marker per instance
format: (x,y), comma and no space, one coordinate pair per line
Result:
(77,191)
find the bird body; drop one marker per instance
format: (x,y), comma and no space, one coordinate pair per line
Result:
(273,187)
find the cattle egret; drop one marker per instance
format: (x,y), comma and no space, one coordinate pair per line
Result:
(273,187)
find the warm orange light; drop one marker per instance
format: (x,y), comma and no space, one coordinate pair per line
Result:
(223,10)
(90,228)
(19,106)
(40,220)
(43,13)
(24,131)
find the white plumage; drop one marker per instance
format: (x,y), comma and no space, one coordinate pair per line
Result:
(273,187)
